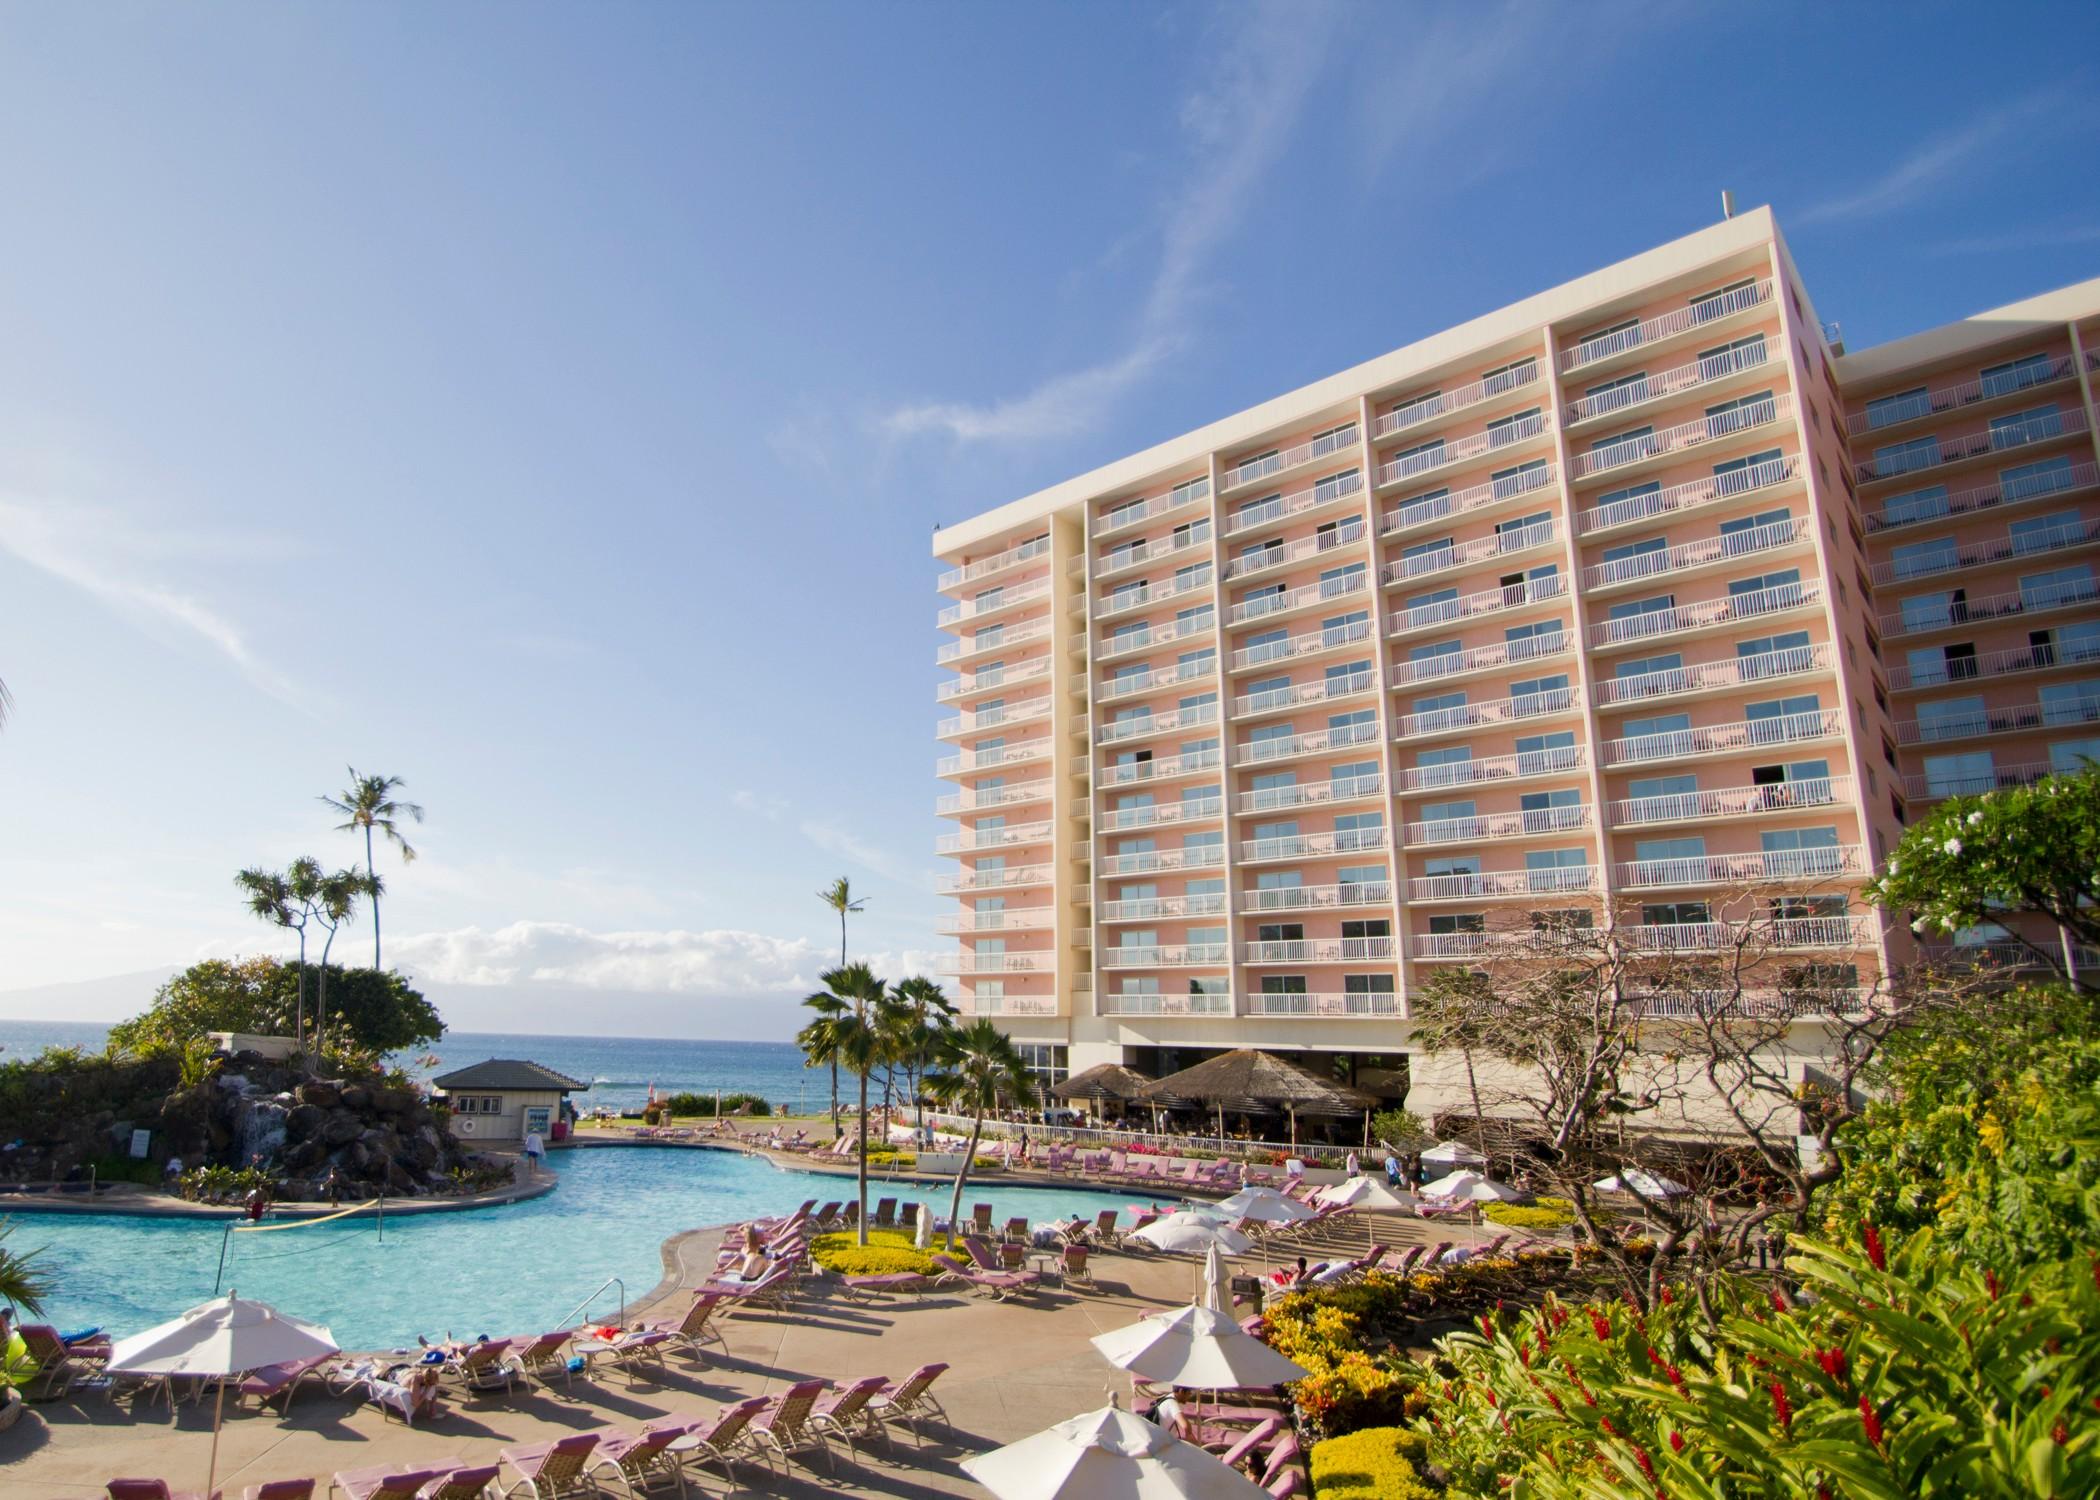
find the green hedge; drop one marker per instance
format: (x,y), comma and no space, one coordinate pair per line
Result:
(887,1252)
(1541,1213)
(1378,1463)
(703,1105)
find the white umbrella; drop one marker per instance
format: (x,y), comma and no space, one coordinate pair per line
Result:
(1369,1195)
(1470,1187)
(1187,1233)
(1215,1285)
(1641,1185)
(1107,1455)
(1453,1154)
(225,1337)
(1265,1205)
(1196,1347)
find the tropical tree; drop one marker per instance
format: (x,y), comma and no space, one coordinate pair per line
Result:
(23,1286)
(819,1043)
(375,1012)
(979,1070)
(855,1028)
(370,805)
(923,1011)
(335,904)
(272,899)
(840,898)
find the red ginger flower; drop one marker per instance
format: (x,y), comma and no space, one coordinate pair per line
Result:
(1676,1441)
(1870,1420)
(1781,1407)
(1601,1327)
(1487,1328)
(1876,1252)
(1833,1362)
(1990,1283)
(1609,1430)
(1779,1302)
(2060,1434)
(1640,1456)
(1667,1299)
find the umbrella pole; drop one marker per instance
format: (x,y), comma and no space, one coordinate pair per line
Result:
(211,1471)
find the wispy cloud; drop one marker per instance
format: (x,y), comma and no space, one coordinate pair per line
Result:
(1935,165)
(1235,124)
(2015,240)
(830,836)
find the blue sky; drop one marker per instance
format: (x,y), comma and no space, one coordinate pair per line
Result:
(550,404)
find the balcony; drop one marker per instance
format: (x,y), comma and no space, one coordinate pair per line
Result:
(1774,1004)
(1325,1007)
(994,880)
(2015,662)
(1311,794)
(1122,518)
(1682,438)
(1020,919)
(1706,614)
(1700,372)
(1140,596)
(1299,502)
(1034,590)
(1314,742)
(1742,869)
(1919,510)
(1443,455)
(1461,717)
(1306,595)
(1692,494)
(1124,730)
(1426,409)
(1726,675)
(1932,786)
(1496,548)
(972,840)
(1984,554)
(1695,317)
(1003,639)
(1165,814)
(1027,711)
(986,760)
(1327,445)
(1725,739)
(1163,1005)
(2068,712)
(1530,823)
(1007,1005)
(1495,654)
(993,680)
(1722,803)
(994,963)
(1161,861)
(2007,953)
(1434,508)
(1312,845)
(1348,536)
(1354,895)
(1508,596)
(1298,694)
(1921,458)
(1947,612)
(1560,881)
(1156,678)
(1312,643)
(1159,549)
(1558,761)
(1705,552)
(1153,636)
(990,797)
(1789,934)
(1934,403)
(985,567)
(1166,956)
(1319,950)
(1156,908)
(1194,763)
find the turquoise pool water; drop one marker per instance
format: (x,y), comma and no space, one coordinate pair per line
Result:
(518,1269)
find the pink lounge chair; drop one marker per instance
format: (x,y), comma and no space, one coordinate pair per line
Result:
(149,1489)
(889,1284)
(718,1441)
(1072,1268)
(1286,1455)
(59,1364)
(638,1465)
(911,1400)
(543,1356)
(998,1285)
(1258,1436)
(1105,1226)
(481,1367)
(468,1482)
(390,1481)
(1286,1484)
(280,1383)
(631,1352)
(551,1471)
(770,1290)
(786,1427)
(846,1413)
(416,1397)
(695,1328)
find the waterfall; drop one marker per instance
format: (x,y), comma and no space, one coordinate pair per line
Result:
(261,1130)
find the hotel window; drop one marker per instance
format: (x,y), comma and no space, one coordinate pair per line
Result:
(1195,703)
(1188,533)
(1335,485)
(1627,609)
(2071,702)
(1207,945)
(1351,777)
(1637,441)
(2042,533)
(1748,472)
(1283,984)
(1648,666)
(1337,533)
(1431,652)
(1362,882)
(2028,426)
(1725,300)
(1280,932)
(1805,908)
(1338,630)
(1348,676)
(1193,752)
(1622,334)
(1190,489)
(1515,481)
(1430,607)
(1118,515)
(1546,802)
(1446,812)
(1251,511)
(1659,724)
(1341,580)
(1903,406)
(2066,644)
(1511,428)
(1365,830)
(1901,458)
(1333,438)
(1516,587)
(1367,984)
(986,599)
(1416,408)
(1261,554)
(1444,755)
(1128,677)
(1423,507)
(1266,646)
(2017,374)
(1508,377)
(1544,744)
(2025,481)
(1193,576)
(1268,692)
(2073,755)
(1675,914)
(1914,559)
(1546,633)
(1643,787)
(1556,859)
(1930,665)
(1772,655)
(1754,524)
(1743,411)
(1534,694)
(1613,394)
(1196,663)
(1960,775)
(1812,775)
(1784,582)
(1912,506)
(1456,922)
(1189,621)
(1640,548)
(1261,599)
(987,636)
(1421,456)
(1737,354)
(2057,587)
(1631,492)
(1129,637)
(1447,866)
(1429,550)
(1649,851)
(1253,464)
(1519,532)
(1438,702)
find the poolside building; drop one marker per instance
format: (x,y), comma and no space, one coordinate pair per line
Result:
(500,1101)
(1639,595)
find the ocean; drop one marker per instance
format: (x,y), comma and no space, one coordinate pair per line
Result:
(619,1069)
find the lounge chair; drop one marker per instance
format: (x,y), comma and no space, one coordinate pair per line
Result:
(1016,1231)
(280,1489)
(148,1489)
(981,1218)
(1072,1267)
(1256,1437)
(885,1214)
(908,1215)
(59,1364)
(280,1383)
(633,1352)
(1105,1226)
(551,1471)
(846,1412)
(639,1465)
(467,1482)
(770,1290)
(543,1356)
(416,1397)
(827,1216)
(786,1427)
(718,1441)
(887,1284)
(998,1285)
(695,1328)
(481,1367)
(390,1481)
(910,1400)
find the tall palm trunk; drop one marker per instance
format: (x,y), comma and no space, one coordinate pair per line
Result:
(835,1076)
(861,1167)
(962,1174)
(372,871)
(299,1006)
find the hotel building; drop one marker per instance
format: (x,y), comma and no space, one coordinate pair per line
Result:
(1638,594)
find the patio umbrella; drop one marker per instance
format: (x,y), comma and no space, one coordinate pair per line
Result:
(224,1337)
(1470,1187)
(1107,1455)
(1641,1185)
(1264,1204)
(1453,1154)
(1188,1233)
(1368,1195)
(1199,1348)
(1214,1286)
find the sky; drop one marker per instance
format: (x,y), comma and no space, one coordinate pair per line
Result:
(549,404)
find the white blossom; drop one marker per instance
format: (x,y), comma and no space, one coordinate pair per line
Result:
(1952,846)
(1975,819)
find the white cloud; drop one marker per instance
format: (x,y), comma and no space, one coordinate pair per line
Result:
(2015,240)
(836,840)
(1940,163)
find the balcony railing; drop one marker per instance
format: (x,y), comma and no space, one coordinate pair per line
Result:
(1153,636)
(1349,534)
(1560,880)
(1485,602)
(1187,810)
(1527,763)
(1433,508)
(1428,408)
(1461,450)
(1920,457)
(1190,763)
(1983,554)
(991,838)
(1025,712)
(991,681)
(1791,933)
(1297,694)
(1324,590)
(1165,956)
(1470,554)
(2042,485)
(1162,1005)
(1462,716)
(1704,552)
(1136,554)
(1317,897)
(1685,435)
(1310,794)
(1153,908)
(998,796)
(1933,785)
(1732,802)
(2011,718)
(1669,383)
(1690,495)
(1918,616)
(1007,1005)
(1823,1000)
(1160,723)
(1156,678)
(1159,861)
(1741,869)
(1341,440)
(1725,739)
(1313,643)
(1478,658)
(1932,403)
(994,880)
(1324,1006)
(1123,600)
(985,760)
(1312,497)
(994,963)
(1006,638)
(2020,659)
(1007,598)
(1681,320)
(2006,953)
(1314,742)
(1313,845)
(1017,919)
(1704,613)
(1480,828)
(1708,676)
(1318,950)
(984,567)
(1178,498)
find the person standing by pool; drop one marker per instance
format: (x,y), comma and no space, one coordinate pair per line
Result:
(535,1149)
(1392,1170)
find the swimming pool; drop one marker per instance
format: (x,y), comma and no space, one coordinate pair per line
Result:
(510,1270)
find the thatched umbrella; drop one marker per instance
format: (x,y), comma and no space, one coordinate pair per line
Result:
(1251,1076)
(1106,1081)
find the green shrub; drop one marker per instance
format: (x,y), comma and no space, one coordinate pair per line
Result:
(887,1252)
(1542,1213)
(124,1169)
(1378,1463)
(703,1105)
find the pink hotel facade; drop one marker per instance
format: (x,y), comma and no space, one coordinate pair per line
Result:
(1636,593)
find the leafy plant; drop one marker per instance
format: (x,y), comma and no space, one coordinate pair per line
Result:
(23,1284)
(887,1252)
(1541,1213)
(369,805)
(689,1104)
(371,1013)
(1378,1463)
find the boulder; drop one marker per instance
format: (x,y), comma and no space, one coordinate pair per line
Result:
(341,1129)
(326,1095)
(303,1121)
(357,1098)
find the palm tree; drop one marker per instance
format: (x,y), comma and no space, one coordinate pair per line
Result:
(370,804)
(22,1286)
(337,904)
(840,898)
(923,1013)
(854,1029)
(272,899)
(980,1070)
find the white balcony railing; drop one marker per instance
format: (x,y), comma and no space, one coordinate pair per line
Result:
(1163,956)
(1323,591)
(1791,933)
(1283,507)
(1678,321)
(1559,881)
(1341,440)
(1312,643)
(1732,802)
(1318,897)
(1006,919)
(1485,602)
(1933,785)
(1318,950)
(1710,676)
(1430,509)
(1156,679)
(971,839)
(1937,402)
(1668,383)
(989,797)
(1443,454)
(1027,711)
(1272,555)
(1702,614)
(1137,554)
(2007,718)
(1006,1005)
(1992,550)
(1726,739)
(1518,767)
(1470,554)
(995,963)
(984,567)
(1159,723)
(1297,694)
(994,880)
(1314,742)
(1155,908)
(1007,598)
(1478,658)
(1684,436)
(1412,414)
(2009,663)
(1139,596)
(1480,828)
(1187,810)
(1310,794)
(990,681)
(1313,845)
(1122,518)
(1702,553)
(1324,1006)
(1189,763)
(1461,716)
(985,760)
(1163,1005)
(1152,636)
(1001,638)
(1943,611)
(1692,494)
(2003,437)
(1741,869)
(1935,505)
(1160,861)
